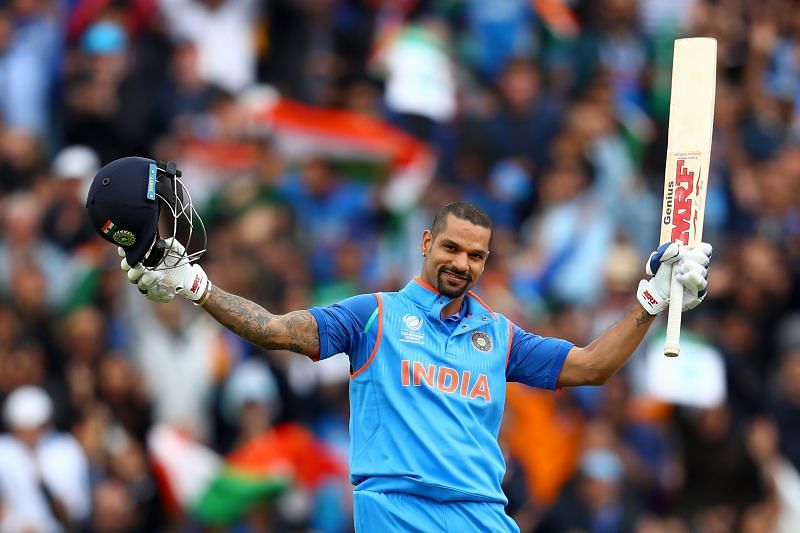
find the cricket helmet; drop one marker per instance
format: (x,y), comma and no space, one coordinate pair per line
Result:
(127,199)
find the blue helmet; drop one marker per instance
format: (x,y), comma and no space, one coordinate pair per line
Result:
(126,199)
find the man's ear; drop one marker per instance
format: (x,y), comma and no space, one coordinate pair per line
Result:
(427,239)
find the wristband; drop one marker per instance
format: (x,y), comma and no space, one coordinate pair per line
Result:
(203,299)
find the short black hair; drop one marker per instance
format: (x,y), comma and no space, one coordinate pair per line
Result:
(463,211)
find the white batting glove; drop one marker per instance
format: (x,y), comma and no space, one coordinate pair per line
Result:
(174,275)
(156,292)
(692,265)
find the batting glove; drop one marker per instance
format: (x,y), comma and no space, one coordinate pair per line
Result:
(173,275)
(692,265)
(156,292)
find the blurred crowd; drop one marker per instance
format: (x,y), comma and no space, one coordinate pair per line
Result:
(550,114)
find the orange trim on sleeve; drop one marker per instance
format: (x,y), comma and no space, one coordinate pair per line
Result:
(378,335)
(482,303)
(510,341)
(426,285)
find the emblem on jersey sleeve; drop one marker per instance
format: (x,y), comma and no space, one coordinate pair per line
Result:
(481,341)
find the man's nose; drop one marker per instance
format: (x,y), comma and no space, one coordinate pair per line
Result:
(460,262)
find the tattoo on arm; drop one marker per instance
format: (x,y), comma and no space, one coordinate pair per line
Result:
(296,331)
(644,318)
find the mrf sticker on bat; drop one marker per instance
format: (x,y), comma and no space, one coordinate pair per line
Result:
(680,212)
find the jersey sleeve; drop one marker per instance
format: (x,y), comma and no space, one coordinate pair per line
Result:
(536,360)
(342,325)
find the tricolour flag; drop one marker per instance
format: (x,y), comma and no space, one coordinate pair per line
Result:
(219,490)
(300,131)
(108,228)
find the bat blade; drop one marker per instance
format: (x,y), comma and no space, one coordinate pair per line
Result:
(691,122)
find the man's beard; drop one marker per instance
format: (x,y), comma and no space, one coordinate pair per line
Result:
(448,290)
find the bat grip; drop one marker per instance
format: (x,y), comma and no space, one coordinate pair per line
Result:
(672,345)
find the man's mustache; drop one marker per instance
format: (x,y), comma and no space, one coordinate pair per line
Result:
(464,275)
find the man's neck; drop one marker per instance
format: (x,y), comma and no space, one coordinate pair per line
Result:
(453,307)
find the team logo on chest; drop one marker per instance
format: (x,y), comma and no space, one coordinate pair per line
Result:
(482,341)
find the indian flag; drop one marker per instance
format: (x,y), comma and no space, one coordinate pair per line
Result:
(301,131)
(558,17)
(218,490)
(108,228)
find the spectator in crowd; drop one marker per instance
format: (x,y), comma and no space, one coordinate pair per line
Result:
(223,32)
(44,481)
(29,53)
(780,477)
(180,359)
(64,223)
(596,502)
(23,247)
(106,106)
(785,396)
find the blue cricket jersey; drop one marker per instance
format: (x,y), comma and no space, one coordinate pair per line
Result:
(426,394)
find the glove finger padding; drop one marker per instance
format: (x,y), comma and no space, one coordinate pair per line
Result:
(666,254)
(149,279)
(661,263)
(653,294)
(135,273)
(126,267)
(160,293)
(700,254)
(693,276)
(690,301)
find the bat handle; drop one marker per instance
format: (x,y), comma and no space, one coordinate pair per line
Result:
(672,346)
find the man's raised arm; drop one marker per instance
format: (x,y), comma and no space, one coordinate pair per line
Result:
(595,363)
(296,331)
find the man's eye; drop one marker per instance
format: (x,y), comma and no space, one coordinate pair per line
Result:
(477,257)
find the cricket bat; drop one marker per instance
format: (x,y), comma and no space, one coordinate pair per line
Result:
(691,120)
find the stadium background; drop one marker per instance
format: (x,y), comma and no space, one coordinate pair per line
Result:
(317,137)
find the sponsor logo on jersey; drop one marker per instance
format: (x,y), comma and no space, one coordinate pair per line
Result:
(482,341)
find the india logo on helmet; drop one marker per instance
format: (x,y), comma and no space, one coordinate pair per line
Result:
(124,237)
